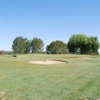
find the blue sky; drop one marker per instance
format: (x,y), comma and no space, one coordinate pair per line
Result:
(47,19)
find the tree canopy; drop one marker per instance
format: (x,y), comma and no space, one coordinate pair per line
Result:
(78,43)
(83,44)
(37,45)
(20,45)
(56,47)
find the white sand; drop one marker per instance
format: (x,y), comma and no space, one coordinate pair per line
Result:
(46,62)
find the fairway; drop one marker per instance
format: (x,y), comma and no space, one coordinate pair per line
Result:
(78,79)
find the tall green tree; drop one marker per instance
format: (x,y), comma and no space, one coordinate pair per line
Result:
(28,46)
(21,45)
(93,45)
(37,45)
(83,44)
(77,42)
(56,47)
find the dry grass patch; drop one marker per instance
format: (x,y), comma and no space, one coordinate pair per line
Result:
(2,95)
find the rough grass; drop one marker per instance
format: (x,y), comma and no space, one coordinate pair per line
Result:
(76,80)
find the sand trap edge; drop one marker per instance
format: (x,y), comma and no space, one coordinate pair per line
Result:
(48,62)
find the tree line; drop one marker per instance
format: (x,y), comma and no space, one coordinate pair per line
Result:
(23,45)
(77,43)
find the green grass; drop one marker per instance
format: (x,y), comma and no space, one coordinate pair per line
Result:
(76,80)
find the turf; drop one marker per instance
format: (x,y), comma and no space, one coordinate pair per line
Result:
(76,80)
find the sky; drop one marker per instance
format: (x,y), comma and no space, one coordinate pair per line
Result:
(49,20)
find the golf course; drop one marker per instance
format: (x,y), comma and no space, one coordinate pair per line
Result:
(77,78)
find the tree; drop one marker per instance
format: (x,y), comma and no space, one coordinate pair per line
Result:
(37,45)
(78,42)
(56,47)
(28,46)
(83,44)
(21,45)
(93,45)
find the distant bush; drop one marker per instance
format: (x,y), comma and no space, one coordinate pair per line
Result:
(5,52)
(14,55)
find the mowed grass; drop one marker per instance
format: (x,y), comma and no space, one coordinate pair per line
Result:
(76,80)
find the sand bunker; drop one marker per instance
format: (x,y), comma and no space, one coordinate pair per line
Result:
(47,62)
